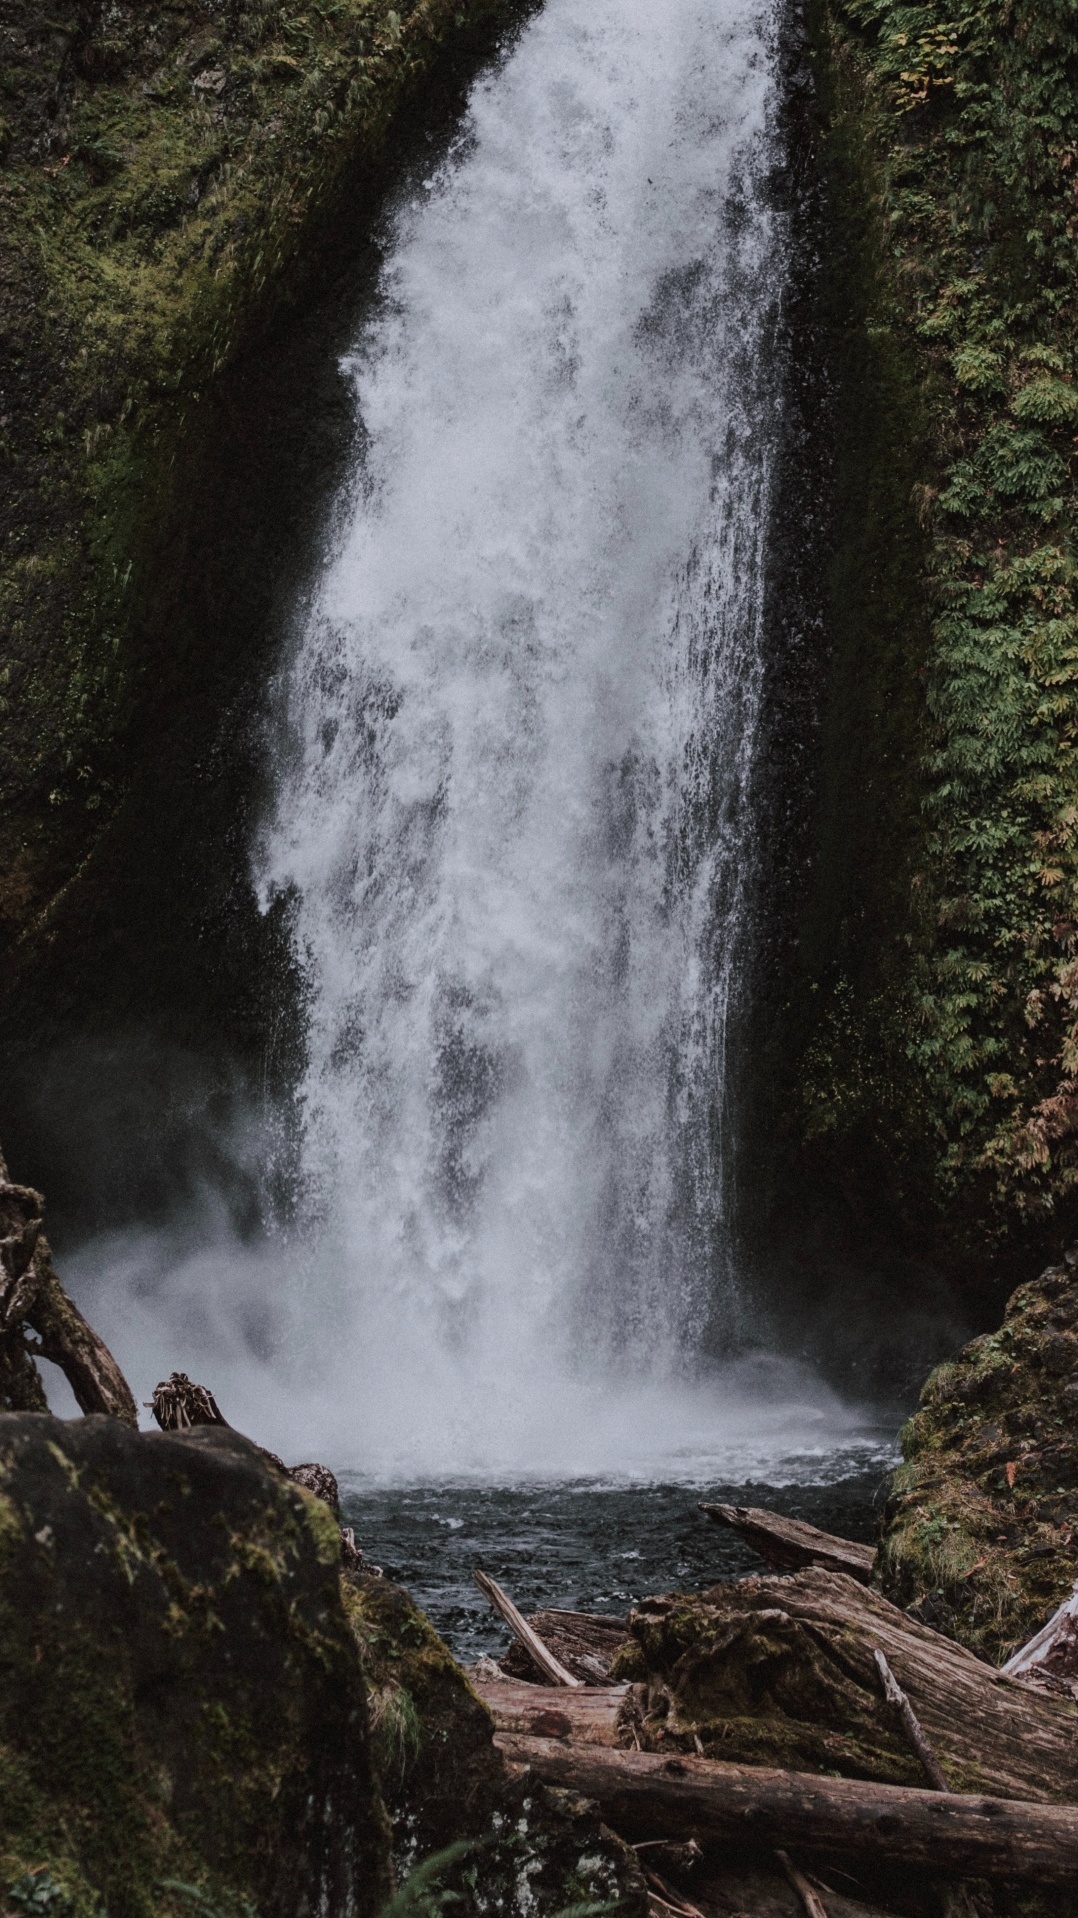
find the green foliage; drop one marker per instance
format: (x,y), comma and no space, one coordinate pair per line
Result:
(421,1893)
(980,1521)
(224,1905)
(36,1892)
(969,119)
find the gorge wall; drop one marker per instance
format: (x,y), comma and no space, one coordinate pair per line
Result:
(172,190)
(936,982)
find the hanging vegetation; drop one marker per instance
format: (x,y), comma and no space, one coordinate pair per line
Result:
(949,1028)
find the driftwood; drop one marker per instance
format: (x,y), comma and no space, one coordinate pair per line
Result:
(781,1671)
(811,1901)
(1051,1657)
(588,1714)
(665,1896)
(911,1724)
(178,1404)
(32,1300)
(543,1658)
(962,1836)
(586,1643)
(788,1544)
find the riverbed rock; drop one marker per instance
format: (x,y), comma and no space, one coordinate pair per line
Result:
(183,1720)
(981,1531)
(535,1850)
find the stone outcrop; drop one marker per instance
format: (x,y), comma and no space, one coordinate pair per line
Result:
(982,1526)
(183,1721)
(535,1850)
(167,174)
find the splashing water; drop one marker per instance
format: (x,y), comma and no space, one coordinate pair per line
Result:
(514,780)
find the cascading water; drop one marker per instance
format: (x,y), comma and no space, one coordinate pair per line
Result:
(514,783)
(515,808)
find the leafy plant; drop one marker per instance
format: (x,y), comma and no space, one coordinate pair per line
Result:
(222,1905)
(39,1896)
(421,1894)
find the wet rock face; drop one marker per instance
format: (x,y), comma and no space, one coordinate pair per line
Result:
(181,1700)
(534,1850)
(981,1532)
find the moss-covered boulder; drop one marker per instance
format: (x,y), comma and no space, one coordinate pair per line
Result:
(534,1850)
(183,1724)
(981,1532)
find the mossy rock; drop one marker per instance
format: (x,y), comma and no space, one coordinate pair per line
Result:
(183,1723)
(981,1530)
(536,1850)
(168,178)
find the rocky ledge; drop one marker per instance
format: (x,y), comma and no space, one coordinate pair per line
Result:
(981,1530)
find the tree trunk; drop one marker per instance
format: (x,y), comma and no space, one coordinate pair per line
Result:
(66,1339)
(646,1794)
(591,1715)
(781,1671)
(788,1544)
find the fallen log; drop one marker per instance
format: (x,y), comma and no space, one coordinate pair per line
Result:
(781,1672)
(542,1657)
(789,1544)
(586,1643)
(746,1805)
(588,1714)
(1052,1653)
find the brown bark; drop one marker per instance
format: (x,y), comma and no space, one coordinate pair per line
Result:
(644,1792)
(31,1295)
(788,1544)
(540,1654)
(911,1725)
(590,1715)
(586,1643)
(73,1345)
(790,1662)
(811,1902)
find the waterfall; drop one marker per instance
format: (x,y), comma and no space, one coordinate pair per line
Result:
(513,805)
(513,757)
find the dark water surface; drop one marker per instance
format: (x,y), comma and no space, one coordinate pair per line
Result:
(583,1545)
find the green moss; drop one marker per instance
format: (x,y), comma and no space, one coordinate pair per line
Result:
(731,1673)
(943,983)
(168,174)
(535,1851)
(181,1708)
(982,1522)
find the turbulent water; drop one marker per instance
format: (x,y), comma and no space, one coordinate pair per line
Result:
(514,803)
(513,764)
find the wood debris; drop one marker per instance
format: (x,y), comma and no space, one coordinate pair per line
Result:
(540,1654)
(789,1544)
(962,1836)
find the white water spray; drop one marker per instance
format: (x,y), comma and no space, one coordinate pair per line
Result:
(522,716)
(514,781)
